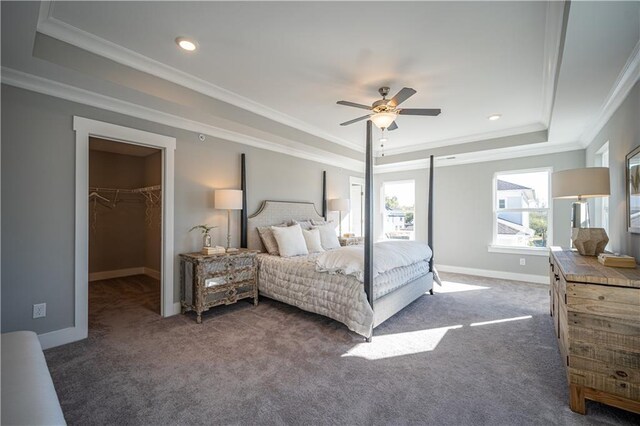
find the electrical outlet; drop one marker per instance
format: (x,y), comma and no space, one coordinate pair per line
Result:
(523,261)
(40,310)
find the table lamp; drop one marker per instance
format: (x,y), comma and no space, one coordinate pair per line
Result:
(340,205)
(228,199)
(581,184)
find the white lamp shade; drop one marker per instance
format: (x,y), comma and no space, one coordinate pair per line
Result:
(383,120)
(581,183)
(339,205)
(228,199)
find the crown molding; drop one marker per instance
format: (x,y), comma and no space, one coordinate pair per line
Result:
(53,27)
(479,157)
(627,78)
(555,28)
(528,128)
(70,93)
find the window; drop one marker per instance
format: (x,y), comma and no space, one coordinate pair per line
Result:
(399,210)
(521,209)
(602,203)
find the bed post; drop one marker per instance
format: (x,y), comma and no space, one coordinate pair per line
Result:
(243,212)
(324,194)
(430,213)
(368,220)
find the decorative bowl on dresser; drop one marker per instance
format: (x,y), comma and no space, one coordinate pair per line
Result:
(220,279)
(596,316)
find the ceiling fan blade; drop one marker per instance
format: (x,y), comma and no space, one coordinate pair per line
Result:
(353,104)
(420,111)
(355,120)
(392,126)
(401,96)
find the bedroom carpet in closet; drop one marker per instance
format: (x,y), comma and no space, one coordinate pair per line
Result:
(437,362)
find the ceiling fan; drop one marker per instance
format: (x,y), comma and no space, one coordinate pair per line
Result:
(385,111)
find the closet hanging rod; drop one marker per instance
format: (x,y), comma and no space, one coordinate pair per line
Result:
(125,191)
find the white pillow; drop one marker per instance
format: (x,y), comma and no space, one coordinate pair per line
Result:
(328,236)
(312,238)
(290,241)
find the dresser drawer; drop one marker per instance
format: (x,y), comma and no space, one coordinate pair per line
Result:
(229,277)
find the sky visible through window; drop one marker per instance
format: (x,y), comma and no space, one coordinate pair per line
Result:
(404,191)
(539,181)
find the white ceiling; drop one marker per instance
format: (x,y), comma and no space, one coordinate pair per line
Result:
(470,59)
(290,62)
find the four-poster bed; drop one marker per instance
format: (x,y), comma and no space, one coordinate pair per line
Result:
(301,282)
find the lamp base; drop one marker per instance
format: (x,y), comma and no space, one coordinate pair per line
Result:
(589,241)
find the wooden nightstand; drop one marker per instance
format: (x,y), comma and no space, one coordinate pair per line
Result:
(219,279)
(351,241)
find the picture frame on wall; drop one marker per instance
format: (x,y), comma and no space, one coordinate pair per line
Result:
(633,190)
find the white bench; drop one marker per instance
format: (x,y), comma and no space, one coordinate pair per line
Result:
(28,395)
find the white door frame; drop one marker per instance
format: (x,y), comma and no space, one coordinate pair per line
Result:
(84,129)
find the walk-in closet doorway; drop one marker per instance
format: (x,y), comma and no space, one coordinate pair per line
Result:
(125,231)
(84,130)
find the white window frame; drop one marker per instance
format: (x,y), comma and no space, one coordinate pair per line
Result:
(535,251)
(602,203)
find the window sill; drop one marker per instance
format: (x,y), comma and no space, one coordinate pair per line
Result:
(541,251)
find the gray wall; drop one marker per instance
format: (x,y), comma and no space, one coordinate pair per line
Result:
(117,236)
(622,131)
(463,215)
(38,169)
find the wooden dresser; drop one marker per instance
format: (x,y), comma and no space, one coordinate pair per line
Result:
(220,279)
(596,316)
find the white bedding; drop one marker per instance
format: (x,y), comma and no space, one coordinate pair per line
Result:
(296,281)
(387,255)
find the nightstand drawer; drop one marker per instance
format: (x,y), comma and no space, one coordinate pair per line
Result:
(233,277)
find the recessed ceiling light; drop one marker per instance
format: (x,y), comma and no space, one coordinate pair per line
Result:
(495,117)
(186,44)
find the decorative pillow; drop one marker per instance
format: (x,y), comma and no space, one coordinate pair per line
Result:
(312,238)
(290,240)
(320,222)
(268,240)
(304,224)
(328,236)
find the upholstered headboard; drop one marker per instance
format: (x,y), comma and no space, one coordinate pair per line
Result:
(274,213)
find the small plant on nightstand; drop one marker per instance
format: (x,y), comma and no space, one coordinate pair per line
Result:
(206,237)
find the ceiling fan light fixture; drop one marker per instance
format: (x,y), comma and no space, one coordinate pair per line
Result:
(186,44)
(383,120)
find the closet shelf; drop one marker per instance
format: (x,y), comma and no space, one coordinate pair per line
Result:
(128,191)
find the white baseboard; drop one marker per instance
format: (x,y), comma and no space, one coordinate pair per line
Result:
(116,273)
(61,337)
(539,279)
(127,272)
(152,273)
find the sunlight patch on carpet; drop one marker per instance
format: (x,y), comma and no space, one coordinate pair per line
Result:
(399,344)
(475,324)
(453,287)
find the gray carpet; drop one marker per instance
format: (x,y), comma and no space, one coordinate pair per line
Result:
(275,364)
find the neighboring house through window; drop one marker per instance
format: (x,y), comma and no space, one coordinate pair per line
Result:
(399,210)
(521,209)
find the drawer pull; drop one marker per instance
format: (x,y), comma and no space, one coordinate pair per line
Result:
(621,373)
(557,277)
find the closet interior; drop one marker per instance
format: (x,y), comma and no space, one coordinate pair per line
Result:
(125,225)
